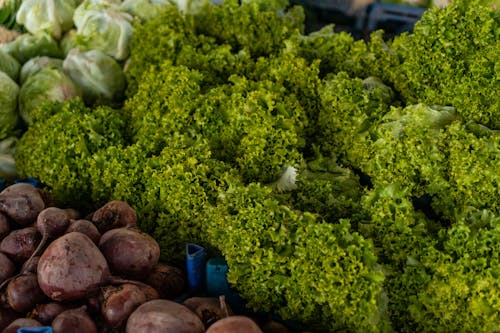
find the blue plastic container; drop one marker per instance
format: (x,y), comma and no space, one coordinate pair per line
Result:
(216,281)
(196,257)
(42,329)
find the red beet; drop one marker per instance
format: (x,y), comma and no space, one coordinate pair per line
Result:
(50,223)
(4,226)
(7,316)
(30,266)
(23,293)
(74,321)
(163,316)
(20,244)
(46,312)
(130,252)
(114,214)
(119,302)
(231,324)
(71,268)
(208,309)
(20,323)
(168,280)
(7,268)
(85,227)
(22,202)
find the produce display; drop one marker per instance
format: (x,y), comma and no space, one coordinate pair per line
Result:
(350,185)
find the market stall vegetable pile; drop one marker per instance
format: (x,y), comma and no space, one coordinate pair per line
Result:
(350,185)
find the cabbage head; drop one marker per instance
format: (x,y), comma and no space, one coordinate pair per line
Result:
(69,41)
(36,64)
(29,45)
(9,65)
(106,28)
(9,91)
(98,75)
(7,162)
(48,85)
(51,16)
(143,9)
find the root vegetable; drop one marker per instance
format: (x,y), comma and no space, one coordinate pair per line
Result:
(20,244)
(30,266)
(71,268)
(232,324)
(275,327)
(119,302)
(20,323)
(23,293)
(163,316)
(130,252)
(73,214)
(22,202)
(74,321)
(85,227)
(114,214)
(50,223)
(168,280)
(45,313)
(7,316)
(208,309)
(4,226)
(7,268)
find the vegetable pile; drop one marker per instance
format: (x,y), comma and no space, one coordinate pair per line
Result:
(350,185)
(94,274)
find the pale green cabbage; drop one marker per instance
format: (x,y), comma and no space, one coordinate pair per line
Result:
(7,162)
(99,76)
(49,84)
(51,16)
(29,45)
(36,64)
(104,27)
(143,9)
(9,91)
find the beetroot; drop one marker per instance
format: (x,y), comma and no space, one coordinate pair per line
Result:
(231,324)
(23,293)
(46,312)
(74,321)
(20,244)
(85,227)
(30,266)
(7,268)
(71,268)
(22,202)
(50,223)
(114,214)
(20,323)
(119,302)
(7,316)
(163,316)
(168,280)
(130,252)
(4,226)
(208,309)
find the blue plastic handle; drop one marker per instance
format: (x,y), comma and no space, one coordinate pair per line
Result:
(41,329)
(196,256)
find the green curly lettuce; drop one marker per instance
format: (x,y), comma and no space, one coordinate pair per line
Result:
(58,147)
(281,260)
(452,59)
